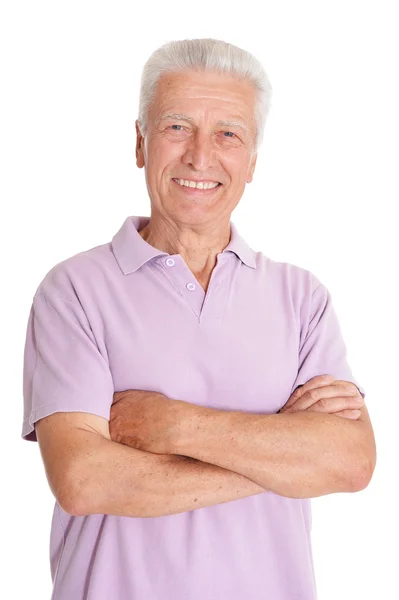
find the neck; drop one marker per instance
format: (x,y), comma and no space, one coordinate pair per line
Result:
(197,245)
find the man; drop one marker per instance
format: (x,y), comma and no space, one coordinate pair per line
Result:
(188,394)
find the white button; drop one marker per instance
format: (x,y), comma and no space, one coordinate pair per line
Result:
(190,286)
(170,262)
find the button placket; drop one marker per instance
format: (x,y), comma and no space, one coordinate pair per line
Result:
(205,305)
(180,274)
(218,291)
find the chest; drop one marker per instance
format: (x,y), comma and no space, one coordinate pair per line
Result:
(231,347)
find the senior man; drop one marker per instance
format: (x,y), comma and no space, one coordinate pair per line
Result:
(190,395)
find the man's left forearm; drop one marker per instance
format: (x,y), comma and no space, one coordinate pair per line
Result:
(298,455)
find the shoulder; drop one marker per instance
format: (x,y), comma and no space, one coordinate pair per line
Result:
(290,278)
(70,277)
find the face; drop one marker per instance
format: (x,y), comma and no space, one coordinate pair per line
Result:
(201,128)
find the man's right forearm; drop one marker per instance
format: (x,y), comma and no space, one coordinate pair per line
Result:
(123,481)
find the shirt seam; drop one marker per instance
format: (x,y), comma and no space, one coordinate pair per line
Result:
(57,296)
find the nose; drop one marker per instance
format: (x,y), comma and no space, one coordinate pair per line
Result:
(200,153)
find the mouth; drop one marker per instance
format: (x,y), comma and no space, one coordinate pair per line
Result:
(197,188)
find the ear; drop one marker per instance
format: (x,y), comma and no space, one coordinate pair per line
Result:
(252,168)
(139,147)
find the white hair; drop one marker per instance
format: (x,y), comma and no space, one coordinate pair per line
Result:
(205,55)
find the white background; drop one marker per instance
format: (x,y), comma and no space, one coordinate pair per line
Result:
(323,197)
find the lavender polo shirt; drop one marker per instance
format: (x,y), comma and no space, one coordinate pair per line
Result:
(125,315)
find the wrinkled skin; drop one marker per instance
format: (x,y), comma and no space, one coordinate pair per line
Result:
(147,420)
(151,421)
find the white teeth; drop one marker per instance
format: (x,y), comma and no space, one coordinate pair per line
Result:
(201,185)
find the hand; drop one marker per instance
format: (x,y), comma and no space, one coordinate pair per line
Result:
(324,394)
(147,420)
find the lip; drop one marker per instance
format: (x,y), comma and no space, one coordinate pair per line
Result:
(196,191)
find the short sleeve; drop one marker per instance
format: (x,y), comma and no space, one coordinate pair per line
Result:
(63,369)
(322,348)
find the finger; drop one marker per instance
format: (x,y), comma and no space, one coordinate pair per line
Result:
(330,405)
(315,382)
(348,414)
(336,404)
(324,393)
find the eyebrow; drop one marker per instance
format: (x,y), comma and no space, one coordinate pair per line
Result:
(222,123)
(233,124)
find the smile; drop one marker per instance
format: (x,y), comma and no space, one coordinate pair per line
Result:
(199,185)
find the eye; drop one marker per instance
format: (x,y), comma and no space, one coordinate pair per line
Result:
(229,134)
(177,126)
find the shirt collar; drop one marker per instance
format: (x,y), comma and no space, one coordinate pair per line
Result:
(131,251)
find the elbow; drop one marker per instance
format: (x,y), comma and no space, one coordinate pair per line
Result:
(362,460)
(90,501)
(78,508)
(361,475)
(73,504)
(75,497)
(74,510)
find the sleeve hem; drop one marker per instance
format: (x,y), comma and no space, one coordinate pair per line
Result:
(28,428)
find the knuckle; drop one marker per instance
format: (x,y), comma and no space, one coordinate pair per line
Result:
(351,402)
(351,387)
(297,391)
(312,395)
(307,396)
(323,404)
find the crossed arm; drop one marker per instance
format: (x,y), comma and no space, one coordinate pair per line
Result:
(196,457)
(300,453)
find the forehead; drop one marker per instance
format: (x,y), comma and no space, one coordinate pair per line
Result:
(179,92)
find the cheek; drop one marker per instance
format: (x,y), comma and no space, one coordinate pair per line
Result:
(237,166)
(164,156)
(164,162)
